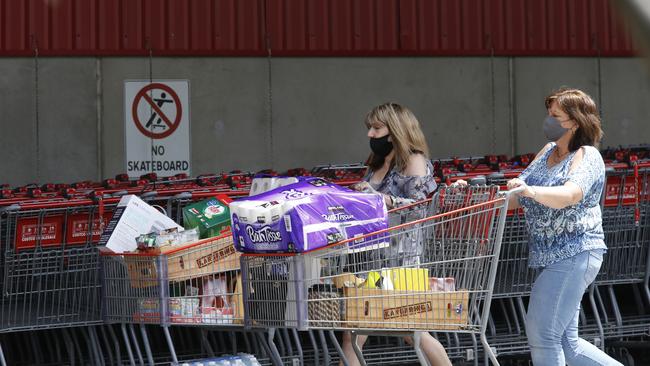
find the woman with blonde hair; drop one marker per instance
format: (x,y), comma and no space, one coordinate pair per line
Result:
(399,168)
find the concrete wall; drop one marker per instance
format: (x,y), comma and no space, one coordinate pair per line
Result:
(311,114)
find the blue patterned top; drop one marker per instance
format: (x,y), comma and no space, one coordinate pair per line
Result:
(405,189)
(557,234)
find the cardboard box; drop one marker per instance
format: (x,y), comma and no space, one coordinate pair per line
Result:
(211,216)
(386,309)
(214,255)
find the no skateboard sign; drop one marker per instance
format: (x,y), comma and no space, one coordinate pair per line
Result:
(151,120)
(156,116)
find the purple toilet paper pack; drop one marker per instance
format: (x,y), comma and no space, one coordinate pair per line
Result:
(304,216)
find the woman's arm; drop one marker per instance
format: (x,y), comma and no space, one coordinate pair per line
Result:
(569,194)
(416,166)
(558,197)
(513,201)
(365,187)
(419,184)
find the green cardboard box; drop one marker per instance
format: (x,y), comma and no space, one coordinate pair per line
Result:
(211,216)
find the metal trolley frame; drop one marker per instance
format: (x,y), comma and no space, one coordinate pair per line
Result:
(453,248)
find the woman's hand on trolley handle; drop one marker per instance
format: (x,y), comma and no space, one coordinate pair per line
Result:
(557,197)
(365,187)
(459,183)
(524,191)
(362,186)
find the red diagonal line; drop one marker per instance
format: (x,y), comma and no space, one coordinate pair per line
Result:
(155,108)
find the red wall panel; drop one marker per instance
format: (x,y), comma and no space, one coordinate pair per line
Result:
(200,32)
(386,25)
(517,26)
(38,24)
(110,27)
(178,34)
(312,27)
(318,25)
(364,18)
(341,31)
(154,25)
(495,25)
(293,27)
(408,25)
(224,23)
(249,26)
(131,28)
(61,24)
(84,20)
(16,38)
(472,24)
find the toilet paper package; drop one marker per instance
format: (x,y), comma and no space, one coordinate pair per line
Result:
(306,215)
(261,184)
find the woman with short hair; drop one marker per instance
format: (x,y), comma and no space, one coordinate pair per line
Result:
(561,196)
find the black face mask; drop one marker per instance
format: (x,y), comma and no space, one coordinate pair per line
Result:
(381,146)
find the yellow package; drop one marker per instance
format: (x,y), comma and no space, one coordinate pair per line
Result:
(409,279)
(372,280)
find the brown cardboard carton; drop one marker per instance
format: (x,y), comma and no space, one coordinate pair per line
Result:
(412,310)
(209,256)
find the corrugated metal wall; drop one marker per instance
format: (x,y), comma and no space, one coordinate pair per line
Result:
(311,27)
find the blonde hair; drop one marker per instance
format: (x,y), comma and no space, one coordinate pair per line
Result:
(405,132)
(579,106)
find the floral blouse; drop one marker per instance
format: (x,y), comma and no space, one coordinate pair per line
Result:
(557,234)
(406,249)
(404,189)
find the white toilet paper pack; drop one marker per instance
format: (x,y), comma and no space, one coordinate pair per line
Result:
(304,216)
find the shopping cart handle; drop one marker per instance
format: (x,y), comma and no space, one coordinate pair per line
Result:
(183,195)
(13,207)
(148,195)
(516,190)
(477,181)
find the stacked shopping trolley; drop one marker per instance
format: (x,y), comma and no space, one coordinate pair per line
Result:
(466,286)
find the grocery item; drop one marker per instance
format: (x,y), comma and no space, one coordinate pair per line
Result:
(211,216)
(306,215)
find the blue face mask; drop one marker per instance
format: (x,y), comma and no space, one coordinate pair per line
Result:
(553,129)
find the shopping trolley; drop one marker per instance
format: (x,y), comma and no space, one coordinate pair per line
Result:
(626,224)
(379,284)
(50,265)
(192,285)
